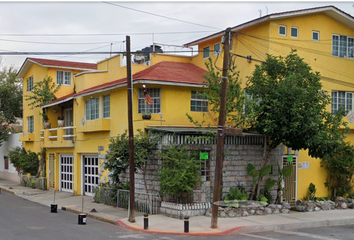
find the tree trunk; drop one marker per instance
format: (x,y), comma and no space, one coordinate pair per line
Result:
(266,153)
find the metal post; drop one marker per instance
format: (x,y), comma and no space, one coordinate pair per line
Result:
(146,221)
(186,224)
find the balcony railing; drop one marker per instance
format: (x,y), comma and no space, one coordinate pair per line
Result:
(62,137)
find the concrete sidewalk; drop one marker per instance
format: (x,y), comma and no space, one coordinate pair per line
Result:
(197,225)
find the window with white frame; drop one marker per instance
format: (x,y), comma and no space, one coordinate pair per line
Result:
(282,30)
(342,46)
(30,124)
(155,106)
(63,78)
(106,106)
(315,36)
(92,108)
(294,32)
(206,52)
(341,99)
(30,84)
(217,49)
(198,102)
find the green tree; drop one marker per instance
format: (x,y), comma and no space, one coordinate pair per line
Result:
(289,107)
(43,92)
(179,172)
(10,100)
(15,155)
(118,154)
(340,169)
(234,96)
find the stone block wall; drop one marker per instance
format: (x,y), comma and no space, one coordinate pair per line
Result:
(238,154)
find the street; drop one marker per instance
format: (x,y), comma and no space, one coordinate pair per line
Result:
(23,219)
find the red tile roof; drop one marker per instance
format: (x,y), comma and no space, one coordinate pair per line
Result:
(67,64)
(174,72)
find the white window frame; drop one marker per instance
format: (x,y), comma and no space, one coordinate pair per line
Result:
(90,112)
(30,124)
(345,100)
(318,36)
(342,49)
(155,107)
(197,98)
(297,32)
(64,79)
(206,52)
(281,34)
(30,84)
(216,51)
(106,102)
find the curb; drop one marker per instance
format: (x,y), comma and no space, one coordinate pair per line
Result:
(218,233)
(91,215)
(9,190)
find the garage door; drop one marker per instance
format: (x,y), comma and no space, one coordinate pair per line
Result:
(66,173)
(90,174)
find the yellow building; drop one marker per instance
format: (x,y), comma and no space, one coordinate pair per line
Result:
(324,37)
(94,104)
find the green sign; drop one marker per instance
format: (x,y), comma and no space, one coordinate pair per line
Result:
(290,158)
(204,155)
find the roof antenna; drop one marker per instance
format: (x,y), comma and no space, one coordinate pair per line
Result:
(267,9)
(260,12)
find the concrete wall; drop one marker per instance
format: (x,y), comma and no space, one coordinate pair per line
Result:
(11,173)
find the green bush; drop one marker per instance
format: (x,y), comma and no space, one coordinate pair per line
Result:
(29,162)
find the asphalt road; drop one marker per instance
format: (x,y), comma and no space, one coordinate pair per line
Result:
(21,219)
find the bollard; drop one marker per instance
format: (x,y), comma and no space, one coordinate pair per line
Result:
(146,221)
(82,219)
(186,224)
(53,208)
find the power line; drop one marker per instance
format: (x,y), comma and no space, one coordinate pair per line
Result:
(57,43)
(157,15)
(91,34)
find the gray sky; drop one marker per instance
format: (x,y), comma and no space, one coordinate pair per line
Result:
(39,26)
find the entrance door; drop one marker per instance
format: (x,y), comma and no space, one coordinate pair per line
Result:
(290,183)
(90,164)
(51,161)
(68,121)
(66,173)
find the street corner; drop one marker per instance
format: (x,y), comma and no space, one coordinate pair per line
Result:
(8,190)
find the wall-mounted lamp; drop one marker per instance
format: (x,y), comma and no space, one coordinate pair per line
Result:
(249,58)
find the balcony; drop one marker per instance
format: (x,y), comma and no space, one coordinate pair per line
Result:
(62,137)
(97,125)
(27,137)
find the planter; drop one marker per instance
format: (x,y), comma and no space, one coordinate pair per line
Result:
(46,125)
(146,117)
(60,123)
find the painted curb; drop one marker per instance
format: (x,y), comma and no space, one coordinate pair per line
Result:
(91,215)
(208,233)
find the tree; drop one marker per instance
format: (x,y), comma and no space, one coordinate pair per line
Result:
(340,170)
(10,100)
(234,97)
(118,154)
(43,93)
(289,107)
(179,172)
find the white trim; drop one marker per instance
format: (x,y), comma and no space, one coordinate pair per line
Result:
(87,72)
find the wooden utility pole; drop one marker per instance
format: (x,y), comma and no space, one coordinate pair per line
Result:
(220,132)
(131,135)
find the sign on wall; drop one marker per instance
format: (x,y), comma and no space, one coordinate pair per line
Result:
(303,165)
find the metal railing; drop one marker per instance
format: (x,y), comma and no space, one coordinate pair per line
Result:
(145,203)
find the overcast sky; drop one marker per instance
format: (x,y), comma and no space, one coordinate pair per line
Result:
(60,26)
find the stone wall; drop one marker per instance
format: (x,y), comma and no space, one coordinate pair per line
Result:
(239,151)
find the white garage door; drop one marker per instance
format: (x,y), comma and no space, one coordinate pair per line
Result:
(66,173)
(90,174)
